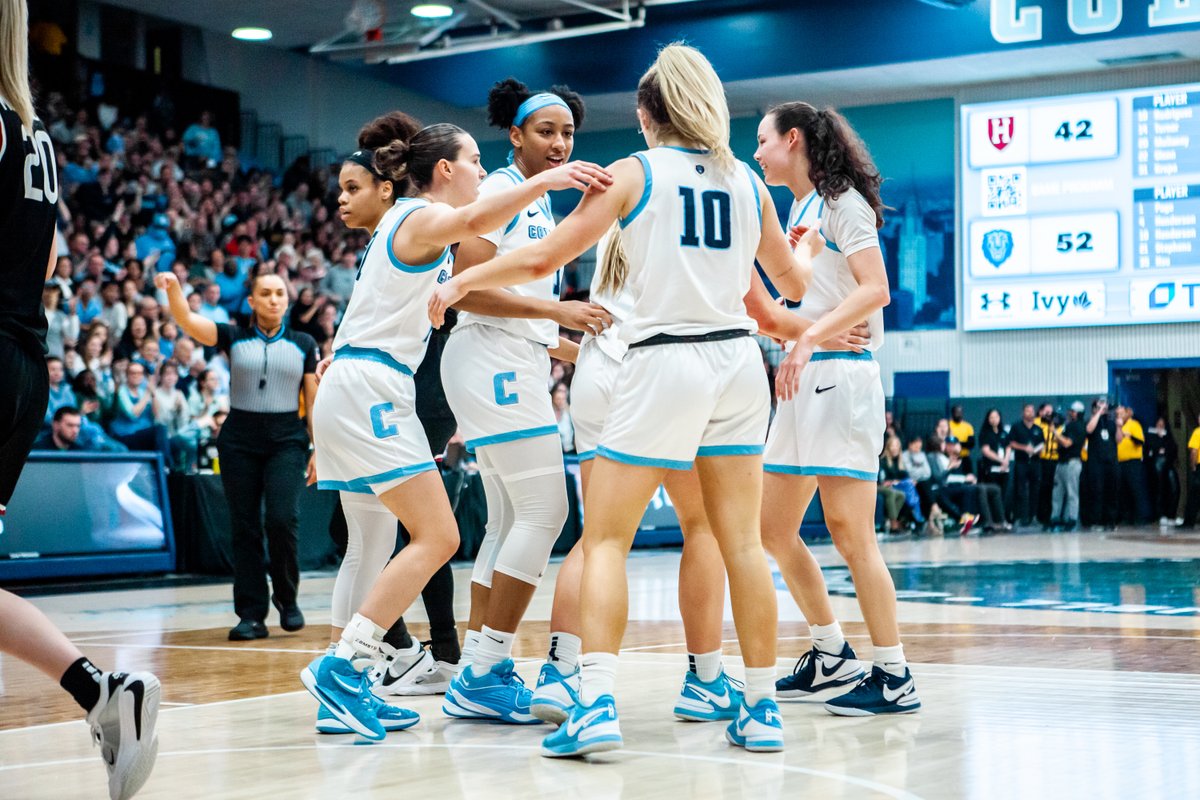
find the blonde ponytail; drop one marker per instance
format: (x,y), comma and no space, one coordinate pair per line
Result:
(14,59)
(682,91)
(614,265)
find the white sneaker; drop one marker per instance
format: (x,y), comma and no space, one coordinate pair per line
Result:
(408,674)
(122,724)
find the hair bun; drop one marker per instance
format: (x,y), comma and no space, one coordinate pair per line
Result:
(391,160)
(504,98)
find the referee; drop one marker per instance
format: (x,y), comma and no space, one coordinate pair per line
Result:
(263,445)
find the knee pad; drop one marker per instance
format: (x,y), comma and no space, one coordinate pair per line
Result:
(540,510)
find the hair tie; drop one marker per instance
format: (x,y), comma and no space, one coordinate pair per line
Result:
(366,160)
(535,103)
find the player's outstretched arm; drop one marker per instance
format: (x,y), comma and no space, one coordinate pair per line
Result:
(579,231)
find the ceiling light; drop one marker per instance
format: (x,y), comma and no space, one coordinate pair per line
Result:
(251,34)
(432,11)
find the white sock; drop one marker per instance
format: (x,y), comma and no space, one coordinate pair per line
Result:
(494,646)
(564,652)
(470,642)
(597,676)
(760,684)
(828,638)
(891,659)
(360,639)
(707,666)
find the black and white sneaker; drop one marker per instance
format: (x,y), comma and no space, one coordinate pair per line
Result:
(122,723)
(879,693)
(405,674)
(819,675)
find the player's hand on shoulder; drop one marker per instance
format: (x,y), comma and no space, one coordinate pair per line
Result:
(581,175)
(807,240)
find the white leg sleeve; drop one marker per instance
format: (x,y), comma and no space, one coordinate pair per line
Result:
(532,474)
(499,519)
(370,543)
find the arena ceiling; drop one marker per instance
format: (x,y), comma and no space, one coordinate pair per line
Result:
(885,49)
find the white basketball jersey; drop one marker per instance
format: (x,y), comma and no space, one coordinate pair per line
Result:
(530,225)
(848,225)
(620,306)
(690,241)
(387,309)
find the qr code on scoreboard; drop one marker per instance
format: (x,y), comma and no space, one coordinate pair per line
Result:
(1003,192)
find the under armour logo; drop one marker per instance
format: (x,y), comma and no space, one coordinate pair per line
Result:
(986,300)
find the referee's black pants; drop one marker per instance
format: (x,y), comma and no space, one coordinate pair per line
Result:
(24,393)
(263,461)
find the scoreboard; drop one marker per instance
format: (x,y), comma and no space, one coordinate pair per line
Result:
(1081,210)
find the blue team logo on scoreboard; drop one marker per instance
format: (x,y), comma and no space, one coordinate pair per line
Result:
(997,246)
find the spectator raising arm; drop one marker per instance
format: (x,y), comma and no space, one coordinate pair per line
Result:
(199,328)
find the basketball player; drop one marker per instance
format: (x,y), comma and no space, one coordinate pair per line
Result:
(121,708)
(367,435)
(828,428)
(690,388)
(496,371)
(365,198)
(707,694)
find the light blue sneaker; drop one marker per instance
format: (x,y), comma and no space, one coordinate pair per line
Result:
(346,693)
(708,702)
(588,729)
(392,718)
(498,696)
(758,729)
(554,694)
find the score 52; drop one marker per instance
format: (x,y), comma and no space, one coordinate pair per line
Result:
(1074,132)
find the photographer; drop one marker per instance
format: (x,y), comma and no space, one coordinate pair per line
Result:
(1101,471)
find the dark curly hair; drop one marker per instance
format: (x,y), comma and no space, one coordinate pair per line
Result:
(381,132)
(838,160)
(506,97)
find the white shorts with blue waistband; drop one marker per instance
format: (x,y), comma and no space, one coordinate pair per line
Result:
(834,424)
(496,384)
(366,433)
(592,389)
(675,402)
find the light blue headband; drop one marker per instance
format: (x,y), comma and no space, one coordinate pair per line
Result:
(538,101)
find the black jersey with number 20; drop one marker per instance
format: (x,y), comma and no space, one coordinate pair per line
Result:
(29,192)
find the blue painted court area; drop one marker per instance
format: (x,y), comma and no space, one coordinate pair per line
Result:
(1165,586)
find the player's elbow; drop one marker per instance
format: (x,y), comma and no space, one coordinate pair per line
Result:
(881,295)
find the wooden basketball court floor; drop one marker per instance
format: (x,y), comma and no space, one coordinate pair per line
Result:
(1027,694)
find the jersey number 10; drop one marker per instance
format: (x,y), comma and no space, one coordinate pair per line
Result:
(717,226)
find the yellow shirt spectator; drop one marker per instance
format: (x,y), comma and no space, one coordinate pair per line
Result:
(1127,448)
(1194,441)
(1050,451)
(962,431)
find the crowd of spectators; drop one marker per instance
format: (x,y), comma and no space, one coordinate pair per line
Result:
(1058,471)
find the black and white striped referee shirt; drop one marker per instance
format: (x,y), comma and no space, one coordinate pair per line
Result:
(266,374)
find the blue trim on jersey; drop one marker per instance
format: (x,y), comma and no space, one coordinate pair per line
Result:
(268,339)
(830,244)
(641,461)
(757,197)
(842,355)
(363,485)
(730,450)
(831,472)
(691,150)
(512,224)
(586,455)
(511,436)
(397,263)
(647,187)
(370,354)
